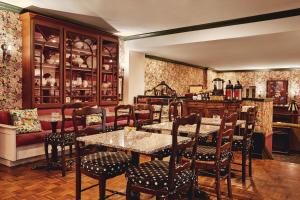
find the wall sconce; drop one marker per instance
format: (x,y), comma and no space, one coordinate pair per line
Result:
(6,52)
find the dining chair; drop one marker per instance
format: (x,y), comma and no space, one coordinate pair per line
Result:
(92,160)
(63,138)
(216,160)
(157,111)
(167,179)
(244,143)
(143,115)
(123,116)
(175,110)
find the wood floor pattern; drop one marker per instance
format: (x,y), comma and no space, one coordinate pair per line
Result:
(272,180)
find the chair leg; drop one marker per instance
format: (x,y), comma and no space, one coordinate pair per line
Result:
(250,162)
(63,161)
(128,191)
(102,187)
(191,190)
(229,188)
(78,182)
(218,184)
(46,145)
(244,163)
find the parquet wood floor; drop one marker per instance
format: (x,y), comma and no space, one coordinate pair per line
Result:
(272,180)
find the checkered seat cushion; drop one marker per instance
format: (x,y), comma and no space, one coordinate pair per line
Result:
(60,139)
(163,153)
(154,175)
(108,164)
(237,143)
(206,153)
(167,152)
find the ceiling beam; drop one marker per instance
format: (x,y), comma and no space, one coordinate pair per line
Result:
(219,24)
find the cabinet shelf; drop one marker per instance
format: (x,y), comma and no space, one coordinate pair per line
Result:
(81,69)
(53,45)
(46,65)
(46,88)
(81,52)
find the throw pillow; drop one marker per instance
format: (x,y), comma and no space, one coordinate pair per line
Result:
(26,121)
(93,119)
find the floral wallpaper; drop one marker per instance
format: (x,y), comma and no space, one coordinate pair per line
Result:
(211,75)
(11,72)
(177,76)
(264,115)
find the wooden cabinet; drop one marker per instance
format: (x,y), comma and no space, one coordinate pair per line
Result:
(109,71)
(209,106)
(65,63)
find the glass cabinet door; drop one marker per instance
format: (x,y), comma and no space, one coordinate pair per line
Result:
(109,72)
(80,68)
(47,65)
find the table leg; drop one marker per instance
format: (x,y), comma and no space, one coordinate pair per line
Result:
(54,126)
(135,158)
(54,154)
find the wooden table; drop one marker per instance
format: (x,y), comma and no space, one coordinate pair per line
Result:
(137,142)
(53,119)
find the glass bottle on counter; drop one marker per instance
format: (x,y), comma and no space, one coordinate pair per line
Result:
(237,94)
(229,91)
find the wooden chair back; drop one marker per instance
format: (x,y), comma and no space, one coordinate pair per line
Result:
(79,120)
(225,134)
(177,165)
(127,113)
(145,109)
(157,111)
(174,108)
(250,122)
(66,118)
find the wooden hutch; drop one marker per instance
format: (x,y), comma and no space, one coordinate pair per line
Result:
(201,106)
(66,63)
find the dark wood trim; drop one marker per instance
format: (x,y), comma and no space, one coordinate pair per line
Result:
(174,61)
(230,22)
(9,7)
(16,9)
(258,70)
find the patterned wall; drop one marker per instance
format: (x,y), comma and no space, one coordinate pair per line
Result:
(177,76)
(259,79)
(11,73)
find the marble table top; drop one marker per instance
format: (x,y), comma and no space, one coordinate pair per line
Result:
(205,130)
(217,121)
(136,141)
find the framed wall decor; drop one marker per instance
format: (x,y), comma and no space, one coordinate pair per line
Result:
(278,90)
(195,89)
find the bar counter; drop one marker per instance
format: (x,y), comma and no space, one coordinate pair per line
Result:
(264,115)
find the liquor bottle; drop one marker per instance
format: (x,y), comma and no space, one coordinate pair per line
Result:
(229,91)
(237,94)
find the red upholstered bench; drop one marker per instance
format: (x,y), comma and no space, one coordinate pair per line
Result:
(18,148)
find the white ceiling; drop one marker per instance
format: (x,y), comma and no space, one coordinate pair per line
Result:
(258,45)
(142,16)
